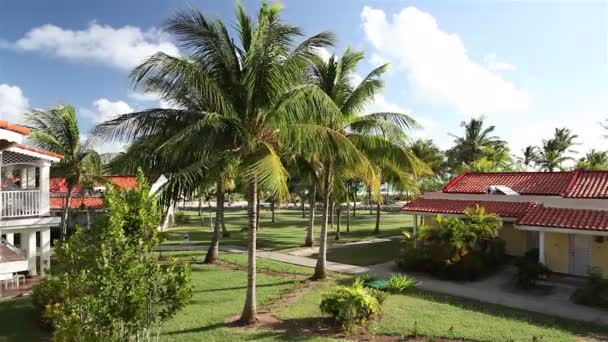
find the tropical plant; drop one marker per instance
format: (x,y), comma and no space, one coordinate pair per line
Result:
(107,284)
(238,97)
(57,130)
(555,151)
(475,143)
(529,156)
(350,305)
(594,292)
(400,283)
(594,160)
(359,143)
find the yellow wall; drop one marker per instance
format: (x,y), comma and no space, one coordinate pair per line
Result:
(599,255)
(557,252)
(516,241)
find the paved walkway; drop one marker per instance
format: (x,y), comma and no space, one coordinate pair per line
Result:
(495,289)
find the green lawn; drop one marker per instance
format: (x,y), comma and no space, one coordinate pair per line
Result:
(289,230)
(365,254)
(434,315)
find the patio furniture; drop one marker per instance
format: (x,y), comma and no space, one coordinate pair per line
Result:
(5,279)
(17,277)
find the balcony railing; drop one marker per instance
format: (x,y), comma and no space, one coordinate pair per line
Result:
(19,203)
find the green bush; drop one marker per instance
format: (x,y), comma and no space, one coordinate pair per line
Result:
(529,270)
(352,305)
(378,294)
(46,293)
(181,218)
(400,283)
(595,291)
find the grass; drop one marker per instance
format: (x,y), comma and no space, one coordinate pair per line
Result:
(289,230)
(433,315)
(364,254)
(18,321)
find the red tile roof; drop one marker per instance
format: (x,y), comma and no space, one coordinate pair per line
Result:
(59,185)
(8,255)
(14,128)
(449,206)
(525,183)
(58,203)
(584,219)
(588,184)
(39,150)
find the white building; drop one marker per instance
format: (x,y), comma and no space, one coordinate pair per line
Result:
(25,220)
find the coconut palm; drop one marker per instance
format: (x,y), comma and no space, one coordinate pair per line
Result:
(475,142)
(57,130)
(594,160)
(240,95)
(529,156)
(366,134)
(555,151)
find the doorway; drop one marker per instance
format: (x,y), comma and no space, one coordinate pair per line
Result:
(580,254)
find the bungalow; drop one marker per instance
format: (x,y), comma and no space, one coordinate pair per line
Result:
(563,214)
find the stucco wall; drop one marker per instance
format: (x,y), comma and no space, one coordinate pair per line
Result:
(599,255)
(516,242)
(557,252)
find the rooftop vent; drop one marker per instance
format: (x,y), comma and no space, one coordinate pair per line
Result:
(500,190)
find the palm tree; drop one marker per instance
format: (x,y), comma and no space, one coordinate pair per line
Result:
(472,146)
(554,152)
(355,137)
(594,160)
(57,130)
(529,156)
(240,95)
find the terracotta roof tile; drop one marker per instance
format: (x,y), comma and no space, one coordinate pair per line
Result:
(588,184)
(58,203)
(525,183)
(584,219)
(59,185)
(449,206)
(14,128)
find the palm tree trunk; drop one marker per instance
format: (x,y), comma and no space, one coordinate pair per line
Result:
(355,203)
(257,210)
(66,213)
(272,207)
(347,213)
(338,215)
(322,258)
(369,199)
(310,236)
(332,204)
(303,205)
(377,230)
(200,205)
(249,315)
(213,251)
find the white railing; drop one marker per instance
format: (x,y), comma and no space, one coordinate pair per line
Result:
(20,203)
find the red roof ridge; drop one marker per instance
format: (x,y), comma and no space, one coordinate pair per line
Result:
(39,150)
(571,184)
(14,127)
(453,182)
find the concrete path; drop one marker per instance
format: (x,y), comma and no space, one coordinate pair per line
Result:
(495,289)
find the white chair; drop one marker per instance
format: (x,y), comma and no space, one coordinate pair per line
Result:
(18,277)
(5,279)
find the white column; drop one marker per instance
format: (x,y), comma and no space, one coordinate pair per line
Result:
(28,243)
(45,246)
(31,178)
(10,238)
(541,247)
(45,167)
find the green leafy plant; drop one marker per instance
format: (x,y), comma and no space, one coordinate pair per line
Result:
(107,283)
(181,218)
(594,292)
(400,283)
(352,305)
(529,270)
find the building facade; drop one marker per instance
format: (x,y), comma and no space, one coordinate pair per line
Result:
(563,214)
(25,214)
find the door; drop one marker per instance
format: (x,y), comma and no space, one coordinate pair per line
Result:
(580,254)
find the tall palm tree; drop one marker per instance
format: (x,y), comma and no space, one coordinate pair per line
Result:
(365,135)
(555,151)
(57,130)
(529,156)
(471,147)
(241,95)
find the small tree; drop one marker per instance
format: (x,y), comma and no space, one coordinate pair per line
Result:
(107,284)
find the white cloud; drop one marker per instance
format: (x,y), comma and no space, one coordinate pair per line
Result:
(106,110)
(123,47)
(437,63)
(324,53)
(494,65)
(13,104)
(151,96)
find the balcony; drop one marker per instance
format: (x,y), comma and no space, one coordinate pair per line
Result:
(20,203)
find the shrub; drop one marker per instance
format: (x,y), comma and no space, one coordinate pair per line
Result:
(181,218)
(44,294)
(400,283)
(378,294)
(351,305)
(595,291)
(529,272)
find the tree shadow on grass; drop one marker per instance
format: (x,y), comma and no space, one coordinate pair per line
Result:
(18,321)
(579,328)
(242,287)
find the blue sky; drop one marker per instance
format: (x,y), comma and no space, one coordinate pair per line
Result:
(527,66)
